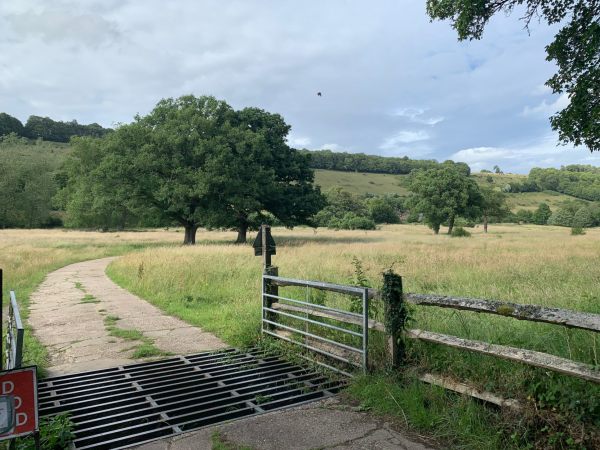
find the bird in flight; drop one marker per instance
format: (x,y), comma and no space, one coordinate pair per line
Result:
(319,94)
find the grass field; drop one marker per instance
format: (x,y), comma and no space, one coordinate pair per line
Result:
(216,285)
(362,183)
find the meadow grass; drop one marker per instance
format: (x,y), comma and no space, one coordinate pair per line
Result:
(216,285)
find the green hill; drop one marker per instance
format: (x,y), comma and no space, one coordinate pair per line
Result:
(379,183)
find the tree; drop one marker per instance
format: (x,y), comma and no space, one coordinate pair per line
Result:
(196,162)
(575,50)
(583,218)
(542,214)
(385,209)
(563,217)
(261,174)
(340,203)
(441,194)
(10,124)
(493,204)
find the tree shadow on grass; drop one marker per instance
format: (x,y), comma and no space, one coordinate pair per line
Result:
(297,241)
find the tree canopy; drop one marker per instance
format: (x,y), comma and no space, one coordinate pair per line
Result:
(194,161)
(442,194)
(575,50)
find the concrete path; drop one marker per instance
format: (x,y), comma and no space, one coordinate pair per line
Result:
(328,424)
(73,310)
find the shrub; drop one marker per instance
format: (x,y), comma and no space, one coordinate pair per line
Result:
(351,221)
(460,232)
(563,217)
(577,231)
(583,218)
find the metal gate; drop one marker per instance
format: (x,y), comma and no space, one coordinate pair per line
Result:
(282,317)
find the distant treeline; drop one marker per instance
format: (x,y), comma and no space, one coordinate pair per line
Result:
(360,162)
(47,129)
(581,181)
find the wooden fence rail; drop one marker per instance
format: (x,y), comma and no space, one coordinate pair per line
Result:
(533,313)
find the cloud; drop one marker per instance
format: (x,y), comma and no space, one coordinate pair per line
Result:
(416,115)
(298,142)
(403,137)
(333,147)
(545,109)
(106,60)
(520,158)
(80,29)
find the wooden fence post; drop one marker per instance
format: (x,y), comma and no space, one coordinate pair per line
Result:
(394,315)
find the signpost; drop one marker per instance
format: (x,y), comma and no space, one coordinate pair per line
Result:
(19,403)
(264,245)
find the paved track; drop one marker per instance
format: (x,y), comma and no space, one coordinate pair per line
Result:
(73,328)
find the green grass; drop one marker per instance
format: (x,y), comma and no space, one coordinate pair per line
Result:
(148,350)
(453,420)
(89,299)
(362,183)
(128,334)
(216,286)
(111,320)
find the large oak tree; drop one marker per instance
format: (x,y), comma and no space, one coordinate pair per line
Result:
(198,162)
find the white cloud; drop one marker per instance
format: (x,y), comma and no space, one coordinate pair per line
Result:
(545,109)
(397,140)
(416,115)
(333,147)
(298,142)
(520,158)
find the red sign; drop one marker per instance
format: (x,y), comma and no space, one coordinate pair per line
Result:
(18,402)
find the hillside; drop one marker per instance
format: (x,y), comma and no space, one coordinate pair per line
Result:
(378,183)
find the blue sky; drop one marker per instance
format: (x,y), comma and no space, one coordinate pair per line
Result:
(392,82)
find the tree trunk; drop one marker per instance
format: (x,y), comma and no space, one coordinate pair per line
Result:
(450,224)
(242,232)
(190,234)
(436,228)
(485,223)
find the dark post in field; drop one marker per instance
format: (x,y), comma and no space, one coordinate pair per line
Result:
(395,315)
(264,245)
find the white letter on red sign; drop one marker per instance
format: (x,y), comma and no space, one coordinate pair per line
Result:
(7,387)
(21,419)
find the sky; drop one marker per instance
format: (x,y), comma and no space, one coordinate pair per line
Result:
(392,82)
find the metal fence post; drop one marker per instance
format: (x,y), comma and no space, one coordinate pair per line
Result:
(365,305)
(272,289)
(395,314)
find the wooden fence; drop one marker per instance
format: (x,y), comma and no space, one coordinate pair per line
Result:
(393,302)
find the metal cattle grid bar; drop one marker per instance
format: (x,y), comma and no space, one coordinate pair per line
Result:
(269,315)
(129,405)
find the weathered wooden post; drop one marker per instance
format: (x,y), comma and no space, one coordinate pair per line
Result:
(395,315)
(264,245)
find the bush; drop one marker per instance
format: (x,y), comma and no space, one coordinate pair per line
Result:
(462,222)
(460,232)
(577,231)
(352,221)
(583,218)
(563,217)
